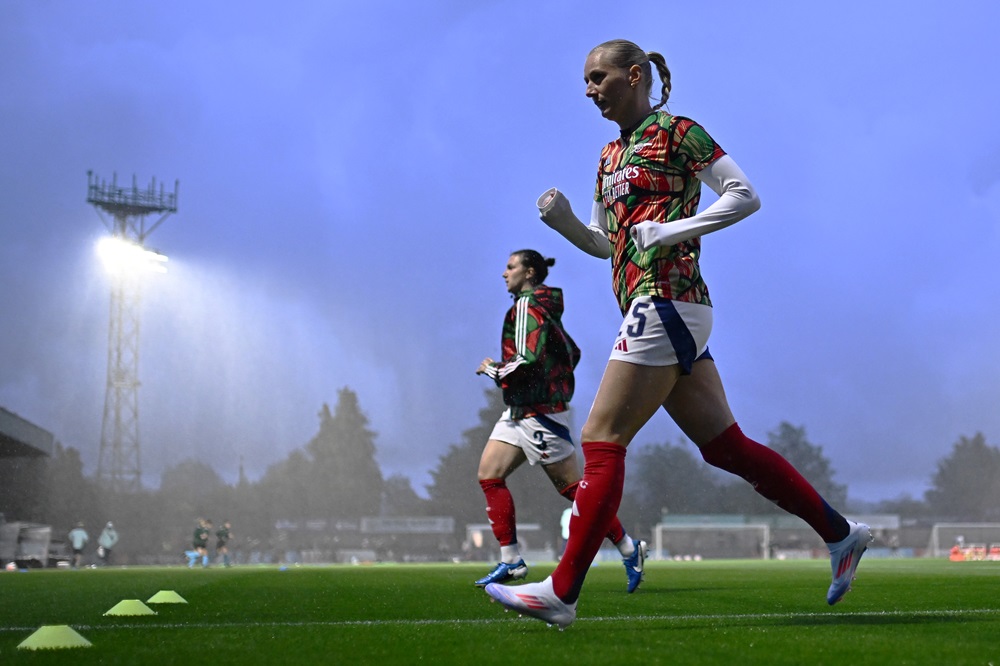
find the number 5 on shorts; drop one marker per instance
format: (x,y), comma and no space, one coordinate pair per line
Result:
(635,330)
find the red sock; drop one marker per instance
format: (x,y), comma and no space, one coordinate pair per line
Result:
(595,506)
(500,510)
(615,533)
(774,477)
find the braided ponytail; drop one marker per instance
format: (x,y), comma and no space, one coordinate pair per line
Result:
(664,72)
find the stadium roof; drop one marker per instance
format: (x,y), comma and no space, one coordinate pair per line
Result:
(19,437)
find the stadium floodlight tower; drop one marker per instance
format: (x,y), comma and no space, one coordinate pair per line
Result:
(127,260)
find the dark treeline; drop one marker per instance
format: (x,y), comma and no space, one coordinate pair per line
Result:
(333,481)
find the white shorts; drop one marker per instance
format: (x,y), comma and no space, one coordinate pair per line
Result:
(658,331)
(544,438)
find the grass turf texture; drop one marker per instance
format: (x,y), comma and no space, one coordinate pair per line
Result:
(715,612)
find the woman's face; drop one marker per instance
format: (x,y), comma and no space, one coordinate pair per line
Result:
(516,276)
(611,88)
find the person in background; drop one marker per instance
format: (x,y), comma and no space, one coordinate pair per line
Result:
(536,377)
(645,218)
(199,543)
(78,539)
(107,540)
(222,537)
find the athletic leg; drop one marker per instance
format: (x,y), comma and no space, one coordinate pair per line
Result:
(628,396)
(699,407)
(499,459)
(565,476)
(497,462)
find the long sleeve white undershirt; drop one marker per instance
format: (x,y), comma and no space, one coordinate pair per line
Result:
(737,200)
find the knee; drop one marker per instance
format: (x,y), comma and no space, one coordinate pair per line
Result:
(612,430)
(488,483)
(488,469)
(600,433)
(724,449)
(569,491)
(490,473)
(716,455)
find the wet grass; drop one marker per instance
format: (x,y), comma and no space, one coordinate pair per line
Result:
(745,612)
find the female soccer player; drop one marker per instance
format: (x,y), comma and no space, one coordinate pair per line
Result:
(645,219)
(536,377)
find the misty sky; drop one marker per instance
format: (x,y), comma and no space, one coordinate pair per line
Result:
(353,177)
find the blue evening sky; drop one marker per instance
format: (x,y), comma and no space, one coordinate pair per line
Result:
(353,177)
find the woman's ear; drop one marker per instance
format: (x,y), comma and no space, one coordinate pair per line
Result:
(634,75)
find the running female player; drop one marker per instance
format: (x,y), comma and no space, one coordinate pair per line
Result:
(536,377)
(645,219)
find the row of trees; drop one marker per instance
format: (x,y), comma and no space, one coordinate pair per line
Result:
(335,477)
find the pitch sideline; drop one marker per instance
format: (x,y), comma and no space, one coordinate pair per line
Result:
(957,612)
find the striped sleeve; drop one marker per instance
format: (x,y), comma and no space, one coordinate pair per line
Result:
(527,340)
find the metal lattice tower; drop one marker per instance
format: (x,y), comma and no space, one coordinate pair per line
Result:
(118,467)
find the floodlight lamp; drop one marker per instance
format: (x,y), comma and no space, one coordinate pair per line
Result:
(123,256)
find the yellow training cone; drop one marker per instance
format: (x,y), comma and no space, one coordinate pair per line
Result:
(53,637)
(166,597)
(130,607)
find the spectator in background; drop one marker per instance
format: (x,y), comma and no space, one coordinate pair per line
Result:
(107,541)
(78,538)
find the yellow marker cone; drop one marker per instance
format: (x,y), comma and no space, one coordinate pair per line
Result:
(130,607)
(166,597)
(53,637)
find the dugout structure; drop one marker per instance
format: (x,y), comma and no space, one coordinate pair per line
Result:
(374,539)
(967,535)
(712,541)
(24,450)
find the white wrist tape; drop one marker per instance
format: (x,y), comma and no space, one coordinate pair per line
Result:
(555,210)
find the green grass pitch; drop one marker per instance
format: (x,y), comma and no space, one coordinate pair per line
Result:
(713,612)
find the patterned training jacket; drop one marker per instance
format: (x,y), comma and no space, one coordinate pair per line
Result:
(536,373)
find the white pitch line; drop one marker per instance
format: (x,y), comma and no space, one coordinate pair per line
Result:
(945,612)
